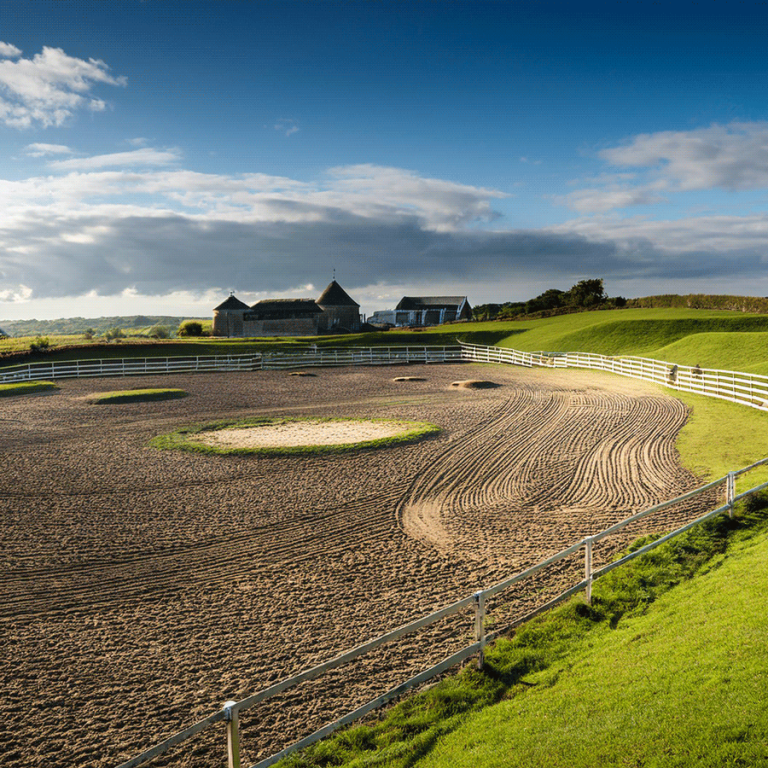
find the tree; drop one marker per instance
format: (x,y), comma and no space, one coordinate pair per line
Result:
(191,328)
(587,293)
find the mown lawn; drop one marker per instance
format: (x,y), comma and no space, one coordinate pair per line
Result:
(682,685)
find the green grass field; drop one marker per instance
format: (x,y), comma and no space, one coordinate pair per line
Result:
(710,338)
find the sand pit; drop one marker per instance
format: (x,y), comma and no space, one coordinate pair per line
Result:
(474,384)
(286,434)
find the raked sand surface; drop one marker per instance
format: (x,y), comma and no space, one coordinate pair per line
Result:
(142,588)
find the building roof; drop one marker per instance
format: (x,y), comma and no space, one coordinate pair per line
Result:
(431,302)
(294,306)
(335,296)
(231,303)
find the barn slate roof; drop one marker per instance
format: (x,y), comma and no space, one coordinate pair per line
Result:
(335,296)
(430,302)
(294,306)
(231,303)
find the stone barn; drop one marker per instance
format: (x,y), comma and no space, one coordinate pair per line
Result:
(333,311)
(228,317)
(282,317)
(339,310)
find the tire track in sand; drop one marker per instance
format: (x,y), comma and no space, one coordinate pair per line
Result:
(548,454)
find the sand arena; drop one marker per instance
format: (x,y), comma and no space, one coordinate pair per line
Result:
(143,588)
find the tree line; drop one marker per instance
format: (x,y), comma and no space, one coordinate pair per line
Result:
(586,294)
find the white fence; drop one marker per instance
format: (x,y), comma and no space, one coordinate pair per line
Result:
(744,388)
(301,358)
(477,601)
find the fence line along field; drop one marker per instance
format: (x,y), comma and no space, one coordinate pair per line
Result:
(142,588)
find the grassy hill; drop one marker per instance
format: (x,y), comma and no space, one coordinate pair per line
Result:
(67,326)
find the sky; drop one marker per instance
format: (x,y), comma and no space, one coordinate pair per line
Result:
(156,156)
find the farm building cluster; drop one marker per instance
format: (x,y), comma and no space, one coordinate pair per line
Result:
(335,311)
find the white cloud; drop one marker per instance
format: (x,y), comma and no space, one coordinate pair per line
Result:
(733,156)
(139,141)
(8,51)
(133,158)
(705,234)
(158,230)
(49,88)
(596,200)
(382,191)
(288,127)
(43,150)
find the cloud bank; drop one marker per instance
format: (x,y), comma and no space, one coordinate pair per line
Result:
(127,221)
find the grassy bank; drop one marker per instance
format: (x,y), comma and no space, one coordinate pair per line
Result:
(678,683)
(660,670)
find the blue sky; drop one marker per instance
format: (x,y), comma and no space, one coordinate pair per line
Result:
(156,155)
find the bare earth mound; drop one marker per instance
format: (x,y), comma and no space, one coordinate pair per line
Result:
(295,433)
(474,384)
(141,589)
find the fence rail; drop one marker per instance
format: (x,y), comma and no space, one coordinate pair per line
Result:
(743,388)
(304,358)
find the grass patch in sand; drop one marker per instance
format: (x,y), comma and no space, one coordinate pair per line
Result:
(200,437)
(26,388)
(136,396)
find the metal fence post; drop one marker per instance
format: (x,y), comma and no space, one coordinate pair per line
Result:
(480,626)
(233,735)
(730,492)
(588,567)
